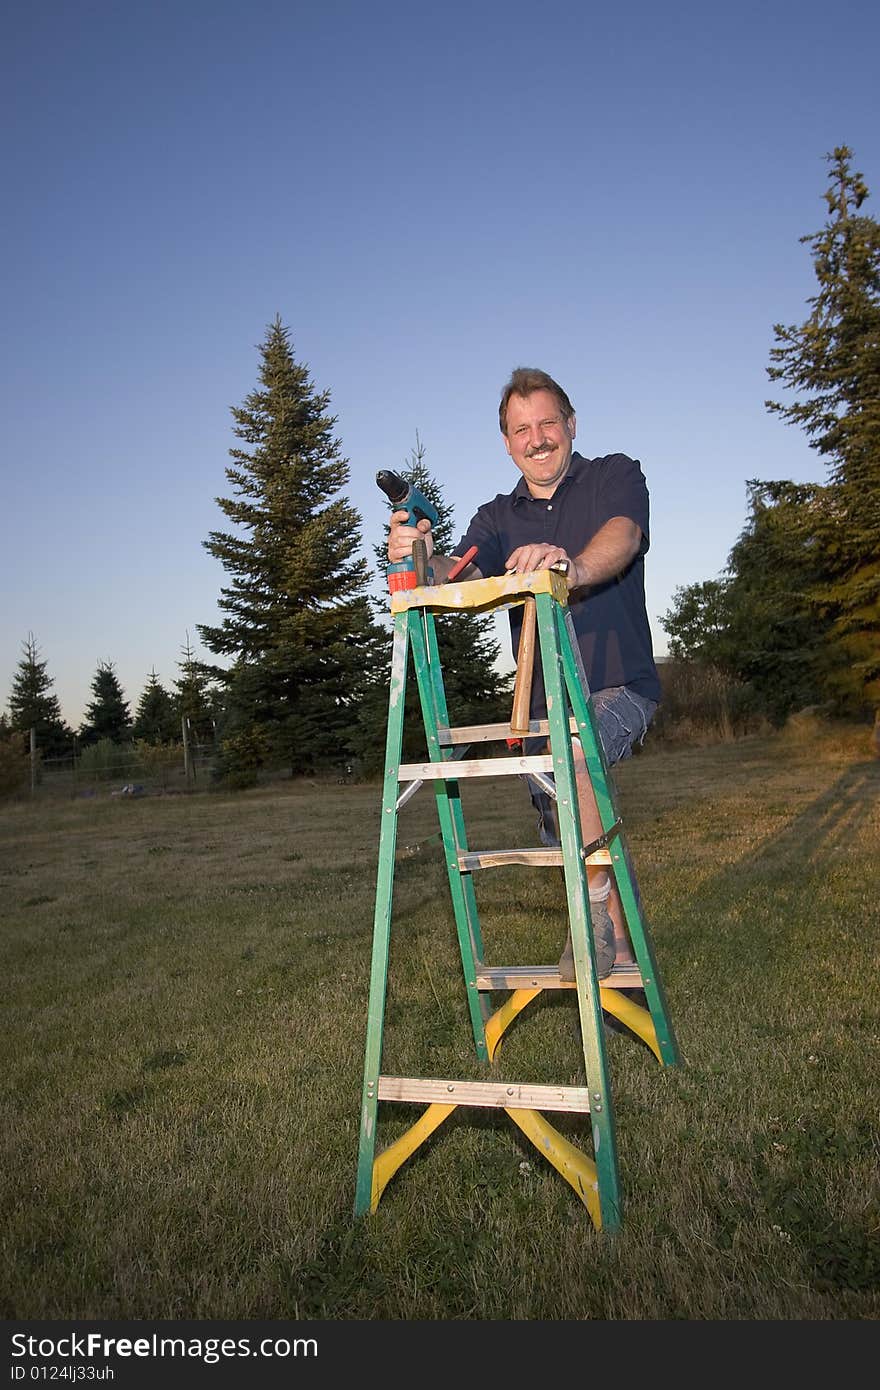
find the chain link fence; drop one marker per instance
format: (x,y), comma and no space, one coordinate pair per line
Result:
(109,769)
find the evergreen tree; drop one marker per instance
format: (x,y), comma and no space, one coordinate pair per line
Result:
(245,737)
(832,362)
(34,705)
(155,719)
(756,623)
(297,615)
(476,692)
(778,640)
(107,715)
(197,697)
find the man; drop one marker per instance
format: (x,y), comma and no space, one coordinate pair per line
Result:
(594,514)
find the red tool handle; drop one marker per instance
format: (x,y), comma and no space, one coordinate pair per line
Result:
(461,564)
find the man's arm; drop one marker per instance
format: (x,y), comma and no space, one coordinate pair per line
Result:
(610,551)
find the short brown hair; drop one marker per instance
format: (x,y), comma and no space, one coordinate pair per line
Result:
(523,381)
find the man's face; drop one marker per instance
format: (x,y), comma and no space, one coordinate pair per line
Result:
(539,440)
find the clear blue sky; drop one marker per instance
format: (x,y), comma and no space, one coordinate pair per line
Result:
(428,196)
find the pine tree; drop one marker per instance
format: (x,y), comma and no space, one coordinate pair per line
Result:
(297,616)
(756,622)
(107,715)
(777,639)
(34,705)
(196,697)
(155,719)
(832,362)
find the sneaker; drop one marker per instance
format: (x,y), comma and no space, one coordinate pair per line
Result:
(603,944)
(603,939)
(566,961)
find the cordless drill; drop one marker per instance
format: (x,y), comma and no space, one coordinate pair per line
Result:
(404,497)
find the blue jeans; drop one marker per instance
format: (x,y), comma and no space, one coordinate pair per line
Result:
(622,718)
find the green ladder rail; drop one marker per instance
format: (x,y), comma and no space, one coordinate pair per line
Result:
(595,1179)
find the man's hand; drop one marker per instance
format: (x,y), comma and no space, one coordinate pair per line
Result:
(608,554)
(540,557)
(401,537)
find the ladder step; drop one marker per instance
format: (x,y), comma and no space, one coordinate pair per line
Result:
(490,977)
(487,733)
(494,858)
(500,1094)
(456,768)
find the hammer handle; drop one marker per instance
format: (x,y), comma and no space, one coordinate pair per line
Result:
(525,664)
(420,562)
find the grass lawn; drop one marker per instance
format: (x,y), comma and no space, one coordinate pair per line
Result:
(185,1005)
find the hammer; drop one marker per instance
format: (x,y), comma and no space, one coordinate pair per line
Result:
(525,662)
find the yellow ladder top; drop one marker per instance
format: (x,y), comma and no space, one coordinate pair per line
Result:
(481,593)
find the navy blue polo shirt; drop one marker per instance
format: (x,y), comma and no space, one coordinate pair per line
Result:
(610,620)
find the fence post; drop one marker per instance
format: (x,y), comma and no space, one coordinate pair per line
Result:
(33,761)
(184,725)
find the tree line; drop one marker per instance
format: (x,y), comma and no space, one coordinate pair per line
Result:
(302,646)
(33,705)
(795,614)
(304,641)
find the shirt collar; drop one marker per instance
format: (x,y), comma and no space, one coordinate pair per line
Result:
(575,469)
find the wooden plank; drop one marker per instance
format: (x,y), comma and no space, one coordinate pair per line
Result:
(456,768)
(525,669)
(494,858)
(487,733)
(512,1095)
(491,977)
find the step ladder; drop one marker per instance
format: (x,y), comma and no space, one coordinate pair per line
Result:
(595,1179)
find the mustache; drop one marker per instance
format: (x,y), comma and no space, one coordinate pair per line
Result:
(539,449)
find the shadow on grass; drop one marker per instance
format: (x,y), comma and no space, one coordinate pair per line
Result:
(814,839)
